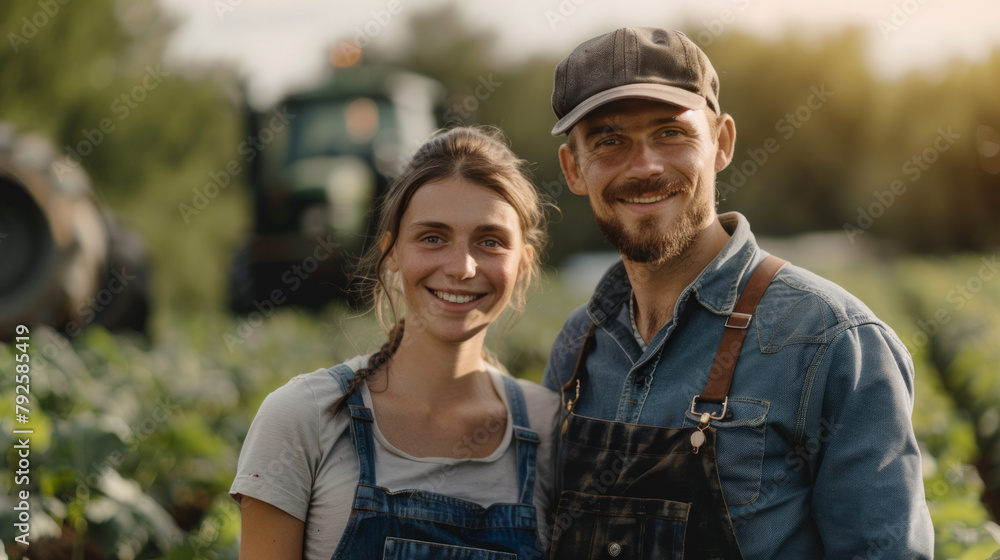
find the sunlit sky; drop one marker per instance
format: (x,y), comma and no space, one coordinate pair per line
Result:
(280,44)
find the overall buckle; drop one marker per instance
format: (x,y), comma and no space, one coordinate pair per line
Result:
(739,320)
(719,416)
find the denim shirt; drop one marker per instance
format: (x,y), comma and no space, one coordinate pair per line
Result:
(818,458)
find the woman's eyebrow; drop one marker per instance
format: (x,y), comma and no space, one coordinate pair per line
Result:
(482,228)
(491,228)
(430,225)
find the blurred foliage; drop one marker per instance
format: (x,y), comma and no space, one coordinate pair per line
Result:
(840,137)
(164,129)
(945,310)
(134,447)
(136,443)
(843,135)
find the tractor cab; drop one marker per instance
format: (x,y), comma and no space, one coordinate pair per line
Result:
(318,161)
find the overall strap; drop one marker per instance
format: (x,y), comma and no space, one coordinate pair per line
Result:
(737,324)
(579,371)
(525,439)
(361,424)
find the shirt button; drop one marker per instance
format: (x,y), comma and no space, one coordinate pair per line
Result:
(640,379)
(614,549)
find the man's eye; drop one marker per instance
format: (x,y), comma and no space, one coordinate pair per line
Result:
(671,132)
(608,142)
(432,239)
(492,243)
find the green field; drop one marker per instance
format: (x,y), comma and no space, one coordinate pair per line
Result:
(135,443)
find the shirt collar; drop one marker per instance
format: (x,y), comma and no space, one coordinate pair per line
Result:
(631,318)
(716,288)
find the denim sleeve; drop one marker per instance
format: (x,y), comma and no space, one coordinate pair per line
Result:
(868,498)
(565,350)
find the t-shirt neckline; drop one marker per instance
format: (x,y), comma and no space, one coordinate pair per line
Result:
(501,449)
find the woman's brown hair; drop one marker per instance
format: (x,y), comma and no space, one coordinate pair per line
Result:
(478,155)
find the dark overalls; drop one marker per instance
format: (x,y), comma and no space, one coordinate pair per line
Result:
(418,525)
(647,492)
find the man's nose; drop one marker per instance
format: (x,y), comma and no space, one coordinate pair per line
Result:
(645,162)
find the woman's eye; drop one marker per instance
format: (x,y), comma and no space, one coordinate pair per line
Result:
(432,239)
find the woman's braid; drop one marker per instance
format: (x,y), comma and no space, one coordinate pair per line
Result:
(375,363)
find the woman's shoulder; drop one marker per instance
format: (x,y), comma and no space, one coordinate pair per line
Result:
(542,403)
(320,386)
(538,395)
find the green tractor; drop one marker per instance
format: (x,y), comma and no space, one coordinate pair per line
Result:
(317,162)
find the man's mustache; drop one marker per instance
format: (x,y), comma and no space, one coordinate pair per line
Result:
(641,188)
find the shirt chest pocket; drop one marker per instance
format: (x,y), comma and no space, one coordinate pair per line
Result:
(406,549)
(739,448)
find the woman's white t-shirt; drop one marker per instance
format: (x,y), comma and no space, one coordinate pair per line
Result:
(301,460)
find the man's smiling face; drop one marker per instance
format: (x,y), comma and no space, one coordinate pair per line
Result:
(649,171)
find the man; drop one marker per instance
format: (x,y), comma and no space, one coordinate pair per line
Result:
(716,405)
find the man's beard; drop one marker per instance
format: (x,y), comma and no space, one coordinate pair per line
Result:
(647,242)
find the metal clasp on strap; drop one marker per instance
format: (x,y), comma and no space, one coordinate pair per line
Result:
(569,404)
(739,320)
(719,416)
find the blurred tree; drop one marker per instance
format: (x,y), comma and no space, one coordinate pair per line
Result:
(485,88)
(800,127)
(821,141)
(90,77)
(840,138)
(85,65)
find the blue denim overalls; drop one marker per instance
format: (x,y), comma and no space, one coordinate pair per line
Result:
(418,525)
(649,492)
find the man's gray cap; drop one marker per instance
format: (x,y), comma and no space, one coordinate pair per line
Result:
(632,62)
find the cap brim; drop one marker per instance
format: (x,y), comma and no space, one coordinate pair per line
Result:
(655,92)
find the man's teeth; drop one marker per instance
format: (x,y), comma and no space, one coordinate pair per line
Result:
(454,298)
(646,200)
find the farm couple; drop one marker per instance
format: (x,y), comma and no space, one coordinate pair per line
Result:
(709,401)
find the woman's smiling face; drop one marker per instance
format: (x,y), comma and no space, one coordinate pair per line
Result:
(458,255)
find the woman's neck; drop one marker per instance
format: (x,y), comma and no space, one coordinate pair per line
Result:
(432,370)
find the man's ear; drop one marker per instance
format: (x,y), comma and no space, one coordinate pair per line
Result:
(567,160)
(390,259)
(726,142)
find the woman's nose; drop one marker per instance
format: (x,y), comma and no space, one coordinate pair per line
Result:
(461,263)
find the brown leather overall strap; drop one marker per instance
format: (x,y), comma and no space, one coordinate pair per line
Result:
(577,378)
(721,376)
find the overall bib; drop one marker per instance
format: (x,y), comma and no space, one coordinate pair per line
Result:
(647,492)
(418,525)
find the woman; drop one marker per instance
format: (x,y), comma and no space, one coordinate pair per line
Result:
(424,449)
